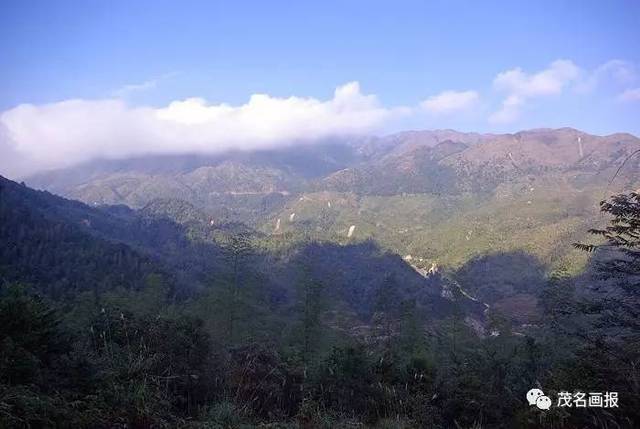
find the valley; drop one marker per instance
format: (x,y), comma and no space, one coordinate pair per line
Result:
(435,198)
(319,214)
(390,266)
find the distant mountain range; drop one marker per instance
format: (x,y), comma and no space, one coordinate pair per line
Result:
(437,162)
(435,198)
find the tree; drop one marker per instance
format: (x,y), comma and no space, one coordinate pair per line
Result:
(312,305)
(387,301)
(619,262)
(622,237)
(30,336)
(34,353)
(611,350)
(237,251)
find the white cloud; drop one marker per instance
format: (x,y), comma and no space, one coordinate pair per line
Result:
(37,137)
(622,71)
(521,86)
(510,110)
(450,102)
(127,90)
(547,82)
(135,87)
(613,71)
(67,132)
(629,95)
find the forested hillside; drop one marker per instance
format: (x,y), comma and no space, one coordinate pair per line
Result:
(425,279)
(319,214)
(165,317)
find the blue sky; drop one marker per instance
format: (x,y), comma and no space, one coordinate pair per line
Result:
(563,63)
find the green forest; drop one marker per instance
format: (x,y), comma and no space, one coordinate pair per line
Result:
(319,214)
(148,323)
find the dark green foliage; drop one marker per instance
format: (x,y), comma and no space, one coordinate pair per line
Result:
(30,336)
(41,245)
(622,241)
(310,307)
(262,384)
(32,346)
(347,379)
(610,350)
(150,367)
(148,370)
(237,252)
(495,276)
(308,334)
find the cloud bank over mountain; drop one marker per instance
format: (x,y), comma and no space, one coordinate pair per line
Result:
(55,135)
(60,134)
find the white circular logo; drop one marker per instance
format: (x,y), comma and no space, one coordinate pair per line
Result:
(543,402)
(533,395)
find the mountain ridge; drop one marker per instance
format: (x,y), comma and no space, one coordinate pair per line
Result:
(296,169)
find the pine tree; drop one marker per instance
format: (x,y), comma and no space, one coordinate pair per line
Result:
(611,350)
(30,335)
(238,249)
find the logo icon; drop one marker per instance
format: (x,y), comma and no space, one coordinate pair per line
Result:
(543,402)
(536,397)
(533,395)
(576,399)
